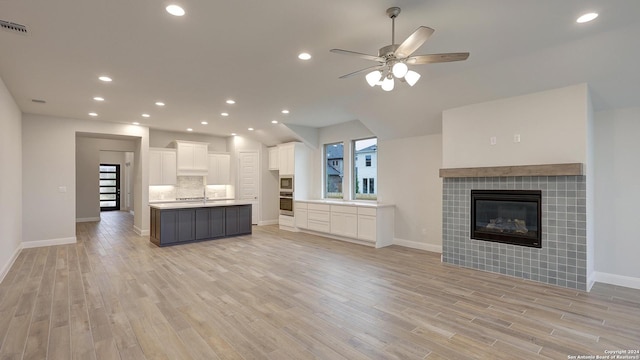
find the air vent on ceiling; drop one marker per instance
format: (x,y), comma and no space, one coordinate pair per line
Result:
(13,27)
(39,101)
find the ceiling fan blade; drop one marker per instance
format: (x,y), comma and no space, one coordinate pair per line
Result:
(360,55)
(413,42)
(437,58)
(370,68)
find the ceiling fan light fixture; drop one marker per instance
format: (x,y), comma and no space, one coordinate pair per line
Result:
(412,77)
(373,78)
(387,83)
(399,70)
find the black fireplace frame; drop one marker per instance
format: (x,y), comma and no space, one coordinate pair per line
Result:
(507,195)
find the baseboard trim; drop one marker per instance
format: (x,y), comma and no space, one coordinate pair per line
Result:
(268,222)
(141,232)
(49,242)
(591,280)
(131,212)
(89,219)
(12,260)
(620,280)
(418,245)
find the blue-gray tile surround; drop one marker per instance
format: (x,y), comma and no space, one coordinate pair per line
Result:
(561,261)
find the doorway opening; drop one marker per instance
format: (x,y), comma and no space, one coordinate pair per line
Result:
(109,187)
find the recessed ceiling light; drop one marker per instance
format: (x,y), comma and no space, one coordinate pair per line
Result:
(224,114)
(230,101)
(587,17)
(285,111)
(98,98)
(274,121)
(135,123)
(304,56)
(159,103)
(189,129)
(105,79)
(93,114)
(204,123)
(233,134)
(146,115)
(175,10)
(250,129)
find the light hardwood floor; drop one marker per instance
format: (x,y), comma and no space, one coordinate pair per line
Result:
(280,295)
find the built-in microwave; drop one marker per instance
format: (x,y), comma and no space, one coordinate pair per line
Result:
(286,183)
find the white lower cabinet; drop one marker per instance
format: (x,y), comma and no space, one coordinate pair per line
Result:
(286,221)
(319,217)
(344,221)
(301,213)
(364,224)
(367,227)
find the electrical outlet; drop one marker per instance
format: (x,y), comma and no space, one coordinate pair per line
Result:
(493,140)
(516,138)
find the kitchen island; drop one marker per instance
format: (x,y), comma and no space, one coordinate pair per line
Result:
(180,223)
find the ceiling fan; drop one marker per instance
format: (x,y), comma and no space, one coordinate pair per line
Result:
(393,59)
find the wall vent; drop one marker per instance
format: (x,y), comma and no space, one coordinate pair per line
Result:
(13,27)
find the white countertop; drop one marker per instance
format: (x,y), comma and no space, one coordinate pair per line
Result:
(364,203)
(197,204)
(151,202)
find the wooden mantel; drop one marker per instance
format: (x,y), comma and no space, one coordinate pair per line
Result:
(521,170)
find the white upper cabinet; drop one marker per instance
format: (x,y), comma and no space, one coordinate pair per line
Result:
(274,162)
(162,167)
(193,158)
(286,158)
(219,169)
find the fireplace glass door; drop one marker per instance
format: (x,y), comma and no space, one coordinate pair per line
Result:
(507,216)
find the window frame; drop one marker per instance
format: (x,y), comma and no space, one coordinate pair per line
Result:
(325,165)
(358,193)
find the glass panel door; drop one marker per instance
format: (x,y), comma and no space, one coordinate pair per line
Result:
(109,187)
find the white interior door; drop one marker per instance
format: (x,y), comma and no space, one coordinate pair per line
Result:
(249,180)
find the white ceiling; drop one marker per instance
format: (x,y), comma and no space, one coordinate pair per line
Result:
(247,50)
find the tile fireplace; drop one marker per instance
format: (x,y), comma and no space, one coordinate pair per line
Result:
(561,256)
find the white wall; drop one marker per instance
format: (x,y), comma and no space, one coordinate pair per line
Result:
(408,170)
(552,126)
(163,139)
(10,180)
(617,196)
(49,166)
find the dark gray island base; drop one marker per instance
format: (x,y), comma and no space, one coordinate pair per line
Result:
(173,224)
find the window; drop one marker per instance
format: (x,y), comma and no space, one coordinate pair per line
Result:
(333,170)
(365,168)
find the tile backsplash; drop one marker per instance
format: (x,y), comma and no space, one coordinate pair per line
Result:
(188,187)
